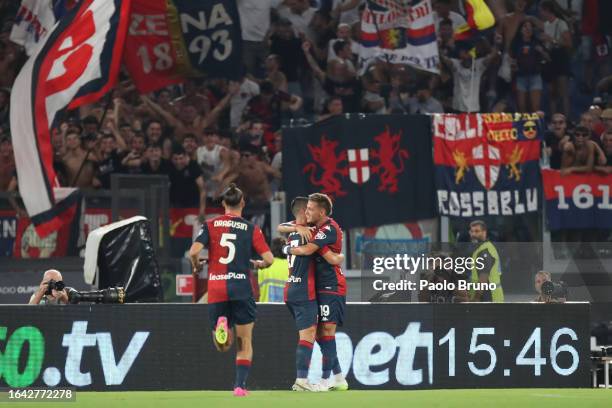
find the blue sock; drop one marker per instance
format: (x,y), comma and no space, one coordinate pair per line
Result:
(328,349)
(242,372)
(336,369)
(303,353)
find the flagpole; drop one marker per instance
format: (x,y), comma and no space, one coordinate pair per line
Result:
(109,99)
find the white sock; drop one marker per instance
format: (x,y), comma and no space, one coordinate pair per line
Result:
(339,377)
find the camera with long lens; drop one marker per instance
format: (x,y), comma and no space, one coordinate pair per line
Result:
(554,290)
(54,285)
(109,295)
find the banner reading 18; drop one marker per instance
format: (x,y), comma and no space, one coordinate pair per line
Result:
(170,40)
(578,200)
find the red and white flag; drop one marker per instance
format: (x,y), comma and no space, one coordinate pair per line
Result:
(77,63)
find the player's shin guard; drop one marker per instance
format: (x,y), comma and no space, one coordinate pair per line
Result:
(328,349)
(303,353)
(242,372)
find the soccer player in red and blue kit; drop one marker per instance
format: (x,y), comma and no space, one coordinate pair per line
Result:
(300,294)
(330,284)
(230,240)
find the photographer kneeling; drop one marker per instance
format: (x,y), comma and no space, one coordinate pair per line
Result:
(52,290)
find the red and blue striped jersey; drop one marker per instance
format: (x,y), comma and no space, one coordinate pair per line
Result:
(231,241)
(300,285)
(329,278)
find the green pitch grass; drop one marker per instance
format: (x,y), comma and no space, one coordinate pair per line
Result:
(516,398)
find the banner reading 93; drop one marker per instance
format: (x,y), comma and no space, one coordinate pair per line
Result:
(416,346)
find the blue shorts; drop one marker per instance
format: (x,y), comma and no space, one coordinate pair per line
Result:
(241,311)
(529,83)
(331,308)
(304,313)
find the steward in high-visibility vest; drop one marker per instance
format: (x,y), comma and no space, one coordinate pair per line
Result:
(272,281)
(486,269)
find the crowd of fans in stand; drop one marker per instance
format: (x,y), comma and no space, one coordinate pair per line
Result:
(301,64)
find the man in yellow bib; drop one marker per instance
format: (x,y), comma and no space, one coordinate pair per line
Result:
(487,270)
(272,279)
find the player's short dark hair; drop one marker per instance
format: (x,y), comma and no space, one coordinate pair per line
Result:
(232,196)
(155,146)
(276,246)
(298,204)
(479,223)
(323,201)
(190,136)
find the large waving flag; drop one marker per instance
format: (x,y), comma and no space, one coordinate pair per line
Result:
(77,63)
(400,32)
(487,164)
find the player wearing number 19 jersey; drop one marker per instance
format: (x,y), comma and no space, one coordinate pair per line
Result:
(231,240)
(330,284)
(300,294)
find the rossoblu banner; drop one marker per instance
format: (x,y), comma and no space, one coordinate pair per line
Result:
(487,163)
(423,346)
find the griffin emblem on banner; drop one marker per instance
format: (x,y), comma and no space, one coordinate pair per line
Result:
(325,157)
(462,165)
(387,153)
(513,160)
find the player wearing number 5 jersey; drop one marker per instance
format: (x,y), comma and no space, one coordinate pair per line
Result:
(330,284)
(300,294)
(231,240)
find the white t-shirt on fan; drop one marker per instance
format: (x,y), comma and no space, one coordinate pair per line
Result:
(248,89)
(255,18)
(466,92)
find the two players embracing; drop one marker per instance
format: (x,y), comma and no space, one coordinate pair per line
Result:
(315,292)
